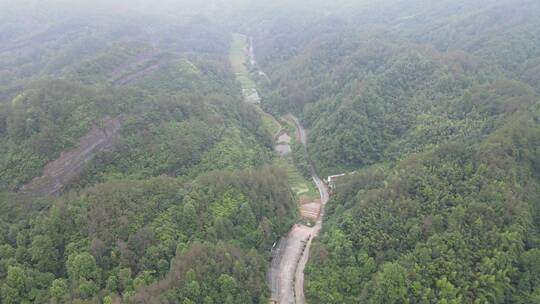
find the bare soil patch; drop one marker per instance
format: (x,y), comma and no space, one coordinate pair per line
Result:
(58,173)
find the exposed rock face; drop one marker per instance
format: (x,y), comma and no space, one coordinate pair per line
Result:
(58,173)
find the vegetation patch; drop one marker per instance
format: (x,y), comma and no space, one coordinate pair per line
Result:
(299,184)
(238,57)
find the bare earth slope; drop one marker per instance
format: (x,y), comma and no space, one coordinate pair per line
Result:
(58,173)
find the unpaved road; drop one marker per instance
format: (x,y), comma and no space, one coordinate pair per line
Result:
(299,282)
(300,131)
(285,263)
(291,254)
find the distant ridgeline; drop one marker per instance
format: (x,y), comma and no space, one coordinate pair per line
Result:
(161,186)
(436,107)
(131,170)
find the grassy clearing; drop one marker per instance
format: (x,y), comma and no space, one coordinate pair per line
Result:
(298,183)
(238,59)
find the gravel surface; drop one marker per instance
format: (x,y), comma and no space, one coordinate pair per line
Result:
(286,275)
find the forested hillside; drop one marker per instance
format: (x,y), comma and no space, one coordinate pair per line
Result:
(181,207)
(435,106)
(458,224)
(350,76)
(132,170)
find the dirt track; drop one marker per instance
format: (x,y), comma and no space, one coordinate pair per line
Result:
(300,131)
(284,267)
(291,254)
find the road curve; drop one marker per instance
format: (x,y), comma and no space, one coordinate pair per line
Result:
(291,253)
(301,132)
(286,273)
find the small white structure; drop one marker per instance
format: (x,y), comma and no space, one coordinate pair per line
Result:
(331,180)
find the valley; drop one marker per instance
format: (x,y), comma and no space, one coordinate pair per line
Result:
(256,152)
(291,252)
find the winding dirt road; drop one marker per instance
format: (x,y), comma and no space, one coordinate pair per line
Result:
(300,131)
(291,254)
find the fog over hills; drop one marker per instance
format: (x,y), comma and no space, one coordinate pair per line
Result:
(250,151)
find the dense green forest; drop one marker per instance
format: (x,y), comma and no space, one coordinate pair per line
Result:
(435,107)
(184,207)
(432,106)
(129,238)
